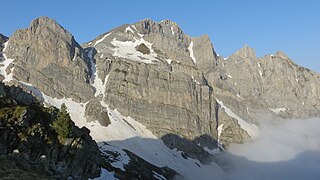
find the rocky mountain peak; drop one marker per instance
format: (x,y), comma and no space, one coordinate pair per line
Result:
(246,52)
(46,55)
(44,23)
(166,27)
(281,55)
(3,38)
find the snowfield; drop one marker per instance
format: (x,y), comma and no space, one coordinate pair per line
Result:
(5,64)
(127,49)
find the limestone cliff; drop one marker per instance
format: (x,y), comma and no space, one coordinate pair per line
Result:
(162,86)
(48,57)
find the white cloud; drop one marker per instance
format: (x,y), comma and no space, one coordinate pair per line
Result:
(285,149)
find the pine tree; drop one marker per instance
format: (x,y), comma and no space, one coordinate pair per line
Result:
(63,124)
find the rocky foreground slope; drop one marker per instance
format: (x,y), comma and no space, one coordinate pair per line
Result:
(150,93)
(32,148)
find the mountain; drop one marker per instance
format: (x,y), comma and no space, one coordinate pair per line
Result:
(47,56)
(158,103)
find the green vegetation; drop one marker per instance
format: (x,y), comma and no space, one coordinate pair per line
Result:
(63,124)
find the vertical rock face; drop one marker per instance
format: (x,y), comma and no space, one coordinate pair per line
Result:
(47,56)
(271,83)
(3,39)
(154,74)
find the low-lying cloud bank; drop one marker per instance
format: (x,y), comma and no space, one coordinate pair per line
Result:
(284,149)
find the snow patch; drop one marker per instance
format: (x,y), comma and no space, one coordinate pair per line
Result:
(251,129)
(195,80)
(278,110)
(229,76)
(212,151)
(220,129)
(128,29)
(127,49)
(100,40)
(96,82)
(158,176)
(172,31)
(5,64)
(120,160)
(190,48)
(134,27)
(106,175)
(169,61)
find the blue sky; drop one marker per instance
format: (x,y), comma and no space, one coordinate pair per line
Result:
(291,26)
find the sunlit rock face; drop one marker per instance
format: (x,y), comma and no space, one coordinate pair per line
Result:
(48,57)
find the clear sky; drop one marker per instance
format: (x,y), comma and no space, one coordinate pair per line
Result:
(291,26)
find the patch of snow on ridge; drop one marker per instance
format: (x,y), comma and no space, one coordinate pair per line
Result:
(129,29)
(190,48)
(127,49)
(172,31)
(278,110)
(5,64)
(100,40)
(251,129)
(134,27)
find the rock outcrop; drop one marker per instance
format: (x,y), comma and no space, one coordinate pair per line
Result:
(28,138)
(3,39)
(48,57)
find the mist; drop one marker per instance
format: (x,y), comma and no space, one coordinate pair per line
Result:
(284,149)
